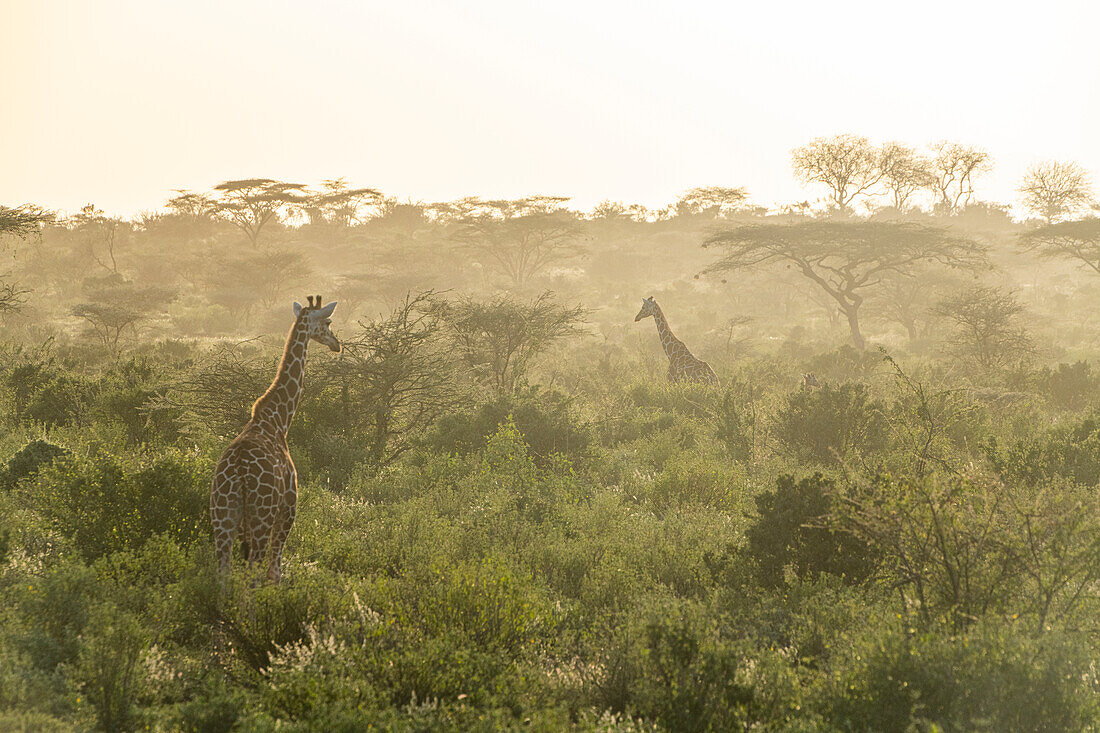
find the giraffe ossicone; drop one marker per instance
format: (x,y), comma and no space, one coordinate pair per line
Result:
(254,494)
(683,366)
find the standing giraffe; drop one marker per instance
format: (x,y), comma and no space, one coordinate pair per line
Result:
(255,489)
(682,364)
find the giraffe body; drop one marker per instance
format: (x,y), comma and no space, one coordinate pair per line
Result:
(254,495)
(683,366)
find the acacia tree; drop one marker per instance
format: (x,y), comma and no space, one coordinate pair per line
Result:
(986,330)
(848,165)
(1054,190)
(521,237)
(192,212)
(953,170)
(338,207)
(115,305)
(846,260)
(904,172)
(251,203)
(498,339)
(395,378)
(100,235)
(1077,241)
(20,222)
(712,201)
(905,299)
(23,221)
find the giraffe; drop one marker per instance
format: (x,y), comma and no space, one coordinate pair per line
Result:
(682,364)
(255,487)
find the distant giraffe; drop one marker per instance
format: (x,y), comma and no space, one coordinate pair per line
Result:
(682,364)
(809,382)
(255,488)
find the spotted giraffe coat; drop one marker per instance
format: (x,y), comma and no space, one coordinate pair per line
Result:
(254,494)
(683,366)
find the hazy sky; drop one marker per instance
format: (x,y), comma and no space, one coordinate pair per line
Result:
(121,102)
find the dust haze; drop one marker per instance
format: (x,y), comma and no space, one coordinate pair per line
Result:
(314,454)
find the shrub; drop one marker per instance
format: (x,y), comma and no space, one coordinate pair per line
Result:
(1069,384)
(986,680)
(45,393)
(28,460)
(105,504)
(827,424)
(796,529)
(545,418)
(108,666)
(845,364)
(58,604)
(258,621)
(673,665)
(1070,451)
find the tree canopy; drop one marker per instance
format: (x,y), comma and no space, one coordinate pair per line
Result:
(846,259)
(1070,240)
(251,203)
(520,237)
(1055,190)
(23,221)
(847,164)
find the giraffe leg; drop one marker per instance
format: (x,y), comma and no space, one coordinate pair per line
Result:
(225,515)
(257,551)
(279,533)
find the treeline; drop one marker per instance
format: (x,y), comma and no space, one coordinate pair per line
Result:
(508,519)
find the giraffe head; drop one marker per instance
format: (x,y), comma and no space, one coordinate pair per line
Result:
(649,307)
(317,319)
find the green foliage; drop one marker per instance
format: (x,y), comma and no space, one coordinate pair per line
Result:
(44,392)
(498,339)
(672,664)
(828,424)
(990,679)
(585,557)
(104,504)
(796,530)
(394,380)
(29,460)
(1068,386)
(1071,451)
(545,418)
(108,666)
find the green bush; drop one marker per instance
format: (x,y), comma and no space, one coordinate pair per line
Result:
(827,424)
(991,679)
(545,418)
(1070,451)
(45,393)
(29,459)
(108,667)
(797,529)
(674,666)
(106,504)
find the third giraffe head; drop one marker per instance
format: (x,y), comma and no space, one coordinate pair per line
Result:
(649,307)
(317,319)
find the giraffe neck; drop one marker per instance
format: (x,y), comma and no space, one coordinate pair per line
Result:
(672,345)
(275,409)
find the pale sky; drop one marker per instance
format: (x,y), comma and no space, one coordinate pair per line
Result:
(119,103)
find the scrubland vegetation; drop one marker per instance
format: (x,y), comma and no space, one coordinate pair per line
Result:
(508,518)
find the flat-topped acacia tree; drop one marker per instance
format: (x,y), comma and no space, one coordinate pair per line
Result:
(19,222)
(250,203)
(520,237)
(848,260)
(1077,241)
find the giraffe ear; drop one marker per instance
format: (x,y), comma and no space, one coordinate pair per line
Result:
(328,309)
(297,309)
